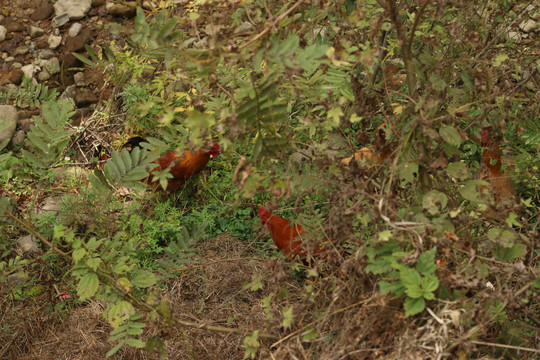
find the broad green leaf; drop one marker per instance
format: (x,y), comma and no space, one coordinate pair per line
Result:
(287,317)
(510,253)
(458,170)
(143,278)
(426,262)
(93,263)
(502,236)
(450,135)
(407,171)
(88,286)
(430,283)
(414,306)
(136,343)
(434,201)
(500,59)
(411,279)
(78,254)
(310,334)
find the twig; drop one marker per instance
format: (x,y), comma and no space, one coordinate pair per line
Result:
(270,26)
(33,232)
(513,347)
(314,321)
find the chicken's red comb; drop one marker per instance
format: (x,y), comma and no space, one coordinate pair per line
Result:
(264,215)
(214,151)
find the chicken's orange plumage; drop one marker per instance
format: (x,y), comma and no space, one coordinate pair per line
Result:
(285,235)
(182,167)
(378,155)
(501,185)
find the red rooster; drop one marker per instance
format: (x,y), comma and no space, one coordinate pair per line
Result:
(284,234)
(182,166)
(500,185)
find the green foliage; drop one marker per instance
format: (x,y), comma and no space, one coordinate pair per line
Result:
(48,137)
(418,283)
(30,94)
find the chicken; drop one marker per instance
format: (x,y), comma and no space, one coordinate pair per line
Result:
(381,150)
(182,167)
(500,184)
(285,235)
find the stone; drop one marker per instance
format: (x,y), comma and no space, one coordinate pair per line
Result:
(60,20)
(84,97)
(74,44)
(18,138)
(52,204)
(76,9)
(98,3)
(35,31)
(74,30)
(124,11)
(3,32)
(15,76)
(28,243)
(43,75)
(43,11)
(528,26)
(79,79)
(46,54)
(13,25)
(8,123)
(26,124)
(30,69)
(21,50)
(52,66)
(54,41)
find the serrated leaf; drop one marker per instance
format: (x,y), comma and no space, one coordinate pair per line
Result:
(426,262)
(414,306)
(505,253)
(458,170)
(411,280)
(287,317)
(143,278)
(88,286)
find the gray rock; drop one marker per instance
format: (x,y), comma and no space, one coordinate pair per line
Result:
(8,123)
(76,9)
(18,138)
(52,66)
(529,26)
(35,31)
(52,204)
(30,70)
(54,41)
(3,32)
(60,20)
(75,29)
(43,76)
(46,54)
(79,79)
(21,50)
(27,244)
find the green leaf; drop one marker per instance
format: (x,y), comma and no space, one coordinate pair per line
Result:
(136,343)
(502,236)
(251,345)
(93,263)
(255,283)
(310,334)
(414,306)
(426,262)
(395,287)
(430,283)
(78,254)
(407,171)
(88,286)
(438,83)
(114,349)
(143,278)
(510,253)
(411,279)
(470,191)
(458,170)
(500,59)
(450,135)
(434,201)
(287,317)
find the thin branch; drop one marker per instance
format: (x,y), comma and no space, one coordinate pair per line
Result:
(272,25)
(33,232)
(513,347)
